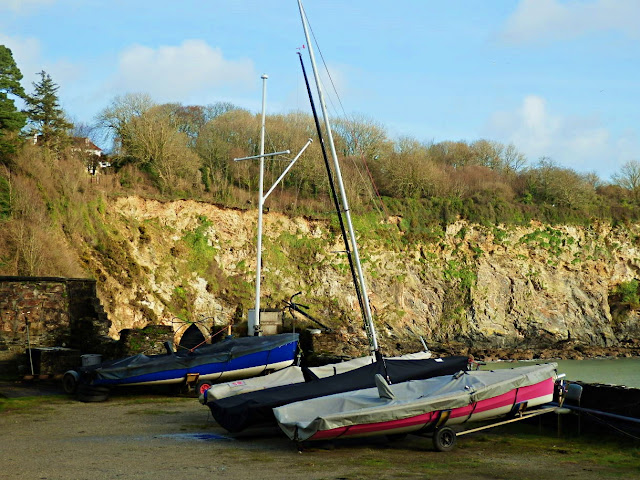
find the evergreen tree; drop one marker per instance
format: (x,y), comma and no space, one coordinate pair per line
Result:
(46,117)
(11,120)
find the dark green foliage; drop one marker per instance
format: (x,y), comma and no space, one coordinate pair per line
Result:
(629,292)
(5,198)
(46,117)
(548,239)
(11,120)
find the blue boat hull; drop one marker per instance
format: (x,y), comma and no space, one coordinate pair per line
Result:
(227,360)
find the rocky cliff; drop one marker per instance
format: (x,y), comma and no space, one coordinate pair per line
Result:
(486,287)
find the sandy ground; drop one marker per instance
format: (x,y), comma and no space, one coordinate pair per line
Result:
(157,438)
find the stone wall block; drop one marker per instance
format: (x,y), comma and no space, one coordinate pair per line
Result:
(52,307)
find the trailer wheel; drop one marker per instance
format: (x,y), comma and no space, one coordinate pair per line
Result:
(444,439)
(203,386)
(70,382)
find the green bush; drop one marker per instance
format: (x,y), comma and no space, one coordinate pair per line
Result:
(5,199)
(629,292)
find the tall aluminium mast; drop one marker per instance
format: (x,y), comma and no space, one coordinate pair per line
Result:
(354,247)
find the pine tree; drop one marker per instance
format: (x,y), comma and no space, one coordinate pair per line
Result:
(46,117)
(11,120)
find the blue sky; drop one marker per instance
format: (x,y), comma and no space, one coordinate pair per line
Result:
(557,78)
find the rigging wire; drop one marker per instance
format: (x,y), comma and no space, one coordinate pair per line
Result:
(375,193)
(339,207)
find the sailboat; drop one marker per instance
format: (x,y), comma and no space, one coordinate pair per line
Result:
(421,406)
(236,407)
(231,358)
(428,405)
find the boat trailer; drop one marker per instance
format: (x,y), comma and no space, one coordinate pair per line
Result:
(444,438)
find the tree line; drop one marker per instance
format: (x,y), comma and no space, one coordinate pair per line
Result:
(175,150)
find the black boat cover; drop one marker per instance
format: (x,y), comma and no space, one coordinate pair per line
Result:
(256,408)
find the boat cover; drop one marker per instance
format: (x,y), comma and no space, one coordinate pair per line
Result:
(256,408)
(291,375)
(217,353)
(301,420)
(286,376)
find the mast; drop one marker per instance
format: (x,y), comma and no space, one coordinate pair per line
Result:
(254,324)
(332,187)
(356,256)
(256,327)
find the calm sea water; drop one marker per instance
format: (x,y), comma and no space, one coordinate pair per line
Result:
(616,371)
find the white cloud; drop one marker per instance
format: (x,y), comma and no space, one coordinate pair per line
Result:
(579,143)
(23,6)
(547,20)
(176,73)
(27,53)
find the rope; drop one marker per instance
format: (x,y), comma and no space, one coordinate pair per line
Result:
(210,338)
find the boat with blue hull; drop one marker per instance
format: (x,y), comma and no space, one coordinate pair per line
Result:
(233,358)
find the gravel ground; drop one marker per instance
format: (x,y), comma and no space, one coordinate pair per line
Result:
(157,438)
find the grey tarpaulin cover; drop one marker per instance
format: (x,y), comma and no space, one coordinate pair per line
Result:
(301,420)
(291,375)
(253,409)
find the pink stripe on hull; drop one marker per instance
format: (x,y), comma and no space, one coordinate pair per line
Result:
(417,422)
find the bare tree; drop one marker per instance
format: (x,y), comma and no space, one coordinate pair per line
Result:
(360,136)
(512,160)
(156,143)
(115,119)
(629,178)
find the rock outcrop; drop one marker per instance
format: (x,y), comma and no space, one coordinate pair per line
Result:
(481,287)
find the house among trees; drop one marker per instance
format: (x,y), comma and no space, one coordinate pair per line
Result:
(93,155)
(95,159)
(86,146)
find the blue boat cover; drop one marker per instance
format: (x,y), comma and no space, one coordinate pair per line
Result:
(205,359)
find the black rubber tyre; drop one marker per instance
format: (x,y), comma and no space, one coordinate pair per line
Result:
(90,393)
(70,382)
(444,439)
(203,386)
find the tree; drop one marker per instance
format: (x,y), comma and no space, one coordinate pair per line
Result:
(513,161)
(629,178)
(231,135)
(115,120)
(219,108)
(46,117)
(11,120)
(161,149)
(358,136)
(559,187)
(188,120)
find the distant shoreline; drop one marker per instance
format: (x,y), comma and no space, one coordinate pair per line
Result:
(558,352)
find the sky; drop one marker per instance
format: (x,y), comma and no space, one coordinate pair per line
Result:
(559,79)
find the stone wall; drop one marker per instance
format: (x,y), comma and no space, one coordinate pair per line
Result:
(46,312)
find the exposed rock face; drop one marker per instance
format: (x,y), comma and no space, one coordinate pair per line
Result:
(498,287)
